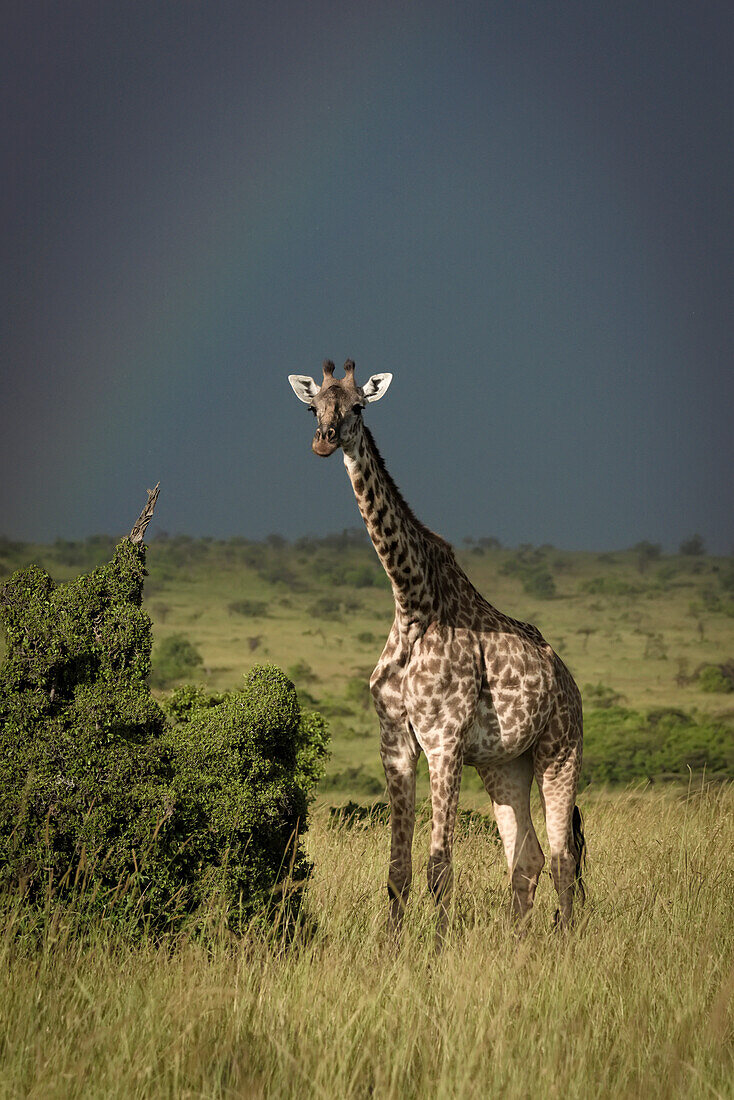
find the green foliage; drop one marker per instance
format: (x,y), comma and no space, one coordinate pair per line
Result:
(357,691)
(621,745)
(84,772)
(114,810)
(326,607)
(301,672)
(245,766)
(609,586)
(599,695)
(717,678)
(540,583)
(174,658)
(185,700)
(527,566)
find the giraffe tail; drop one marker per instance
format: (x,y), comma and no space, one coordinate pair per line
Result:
(579,843)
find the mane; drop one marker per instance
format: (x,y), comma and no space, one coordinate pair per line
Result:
(408,512)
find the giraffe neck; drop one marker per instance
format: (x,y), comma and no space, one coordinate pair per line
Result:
(405,547)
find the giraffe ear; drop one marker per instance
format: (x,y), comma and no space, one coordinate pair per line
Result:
(376,387)
(304,387)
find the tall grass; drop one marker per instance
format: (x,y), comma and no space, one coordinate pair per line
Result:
(637,1001)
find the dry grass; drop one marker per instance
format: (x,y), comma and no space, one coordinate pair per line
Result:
(636,1002)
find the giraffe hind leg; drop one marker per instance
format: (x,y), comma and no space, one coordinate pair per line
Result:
(557,762)
(508,785)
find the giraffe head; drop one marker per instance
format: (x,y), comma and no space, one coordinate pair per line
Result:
(337,404)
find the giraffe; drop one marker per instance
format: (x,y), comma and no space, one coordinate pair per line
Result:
(457,680)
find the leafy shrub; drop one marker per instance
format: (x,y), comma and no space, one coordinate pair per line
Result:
(245,767)
(326,607)
(540,583)
(693,547)
(111,809)
(357,691)
(536,579)
(84,772)
(301,672)
(276,572)
(717,678)
(621,745)
(361,576)
(599,695)
(175,658)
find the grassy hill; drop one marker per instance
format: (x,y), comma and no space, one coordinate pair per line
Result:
(640,631)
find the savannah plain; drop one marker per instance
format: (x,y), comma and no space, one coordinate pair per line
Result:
(636,1001)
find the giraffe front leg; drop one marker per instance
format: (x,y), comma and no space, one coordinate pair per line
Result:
(400,768)
(444,767)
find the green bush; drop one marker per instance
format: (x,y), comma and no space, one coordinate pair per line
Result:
(599,695)
(175,658)
(326,607)
(692,547)
(108,807)
(717,678)
(540,583)
(245,766)
(527,566)
(84,771)
(621,745)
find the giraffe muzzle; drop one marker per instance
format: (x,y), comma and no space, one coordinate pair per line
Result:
(325,442)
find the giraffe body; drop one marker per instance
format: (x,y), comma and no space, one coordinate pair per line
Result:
(457,680)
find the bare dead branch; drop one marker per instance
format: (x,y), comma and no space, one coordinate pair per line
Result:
(138,531)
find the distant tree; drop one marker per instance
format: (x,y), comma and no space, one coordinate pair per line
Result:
(693,547)
(540,583)
(645,553)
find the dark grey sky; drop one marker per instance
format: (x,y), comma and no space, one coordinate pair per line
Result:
(522,210)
